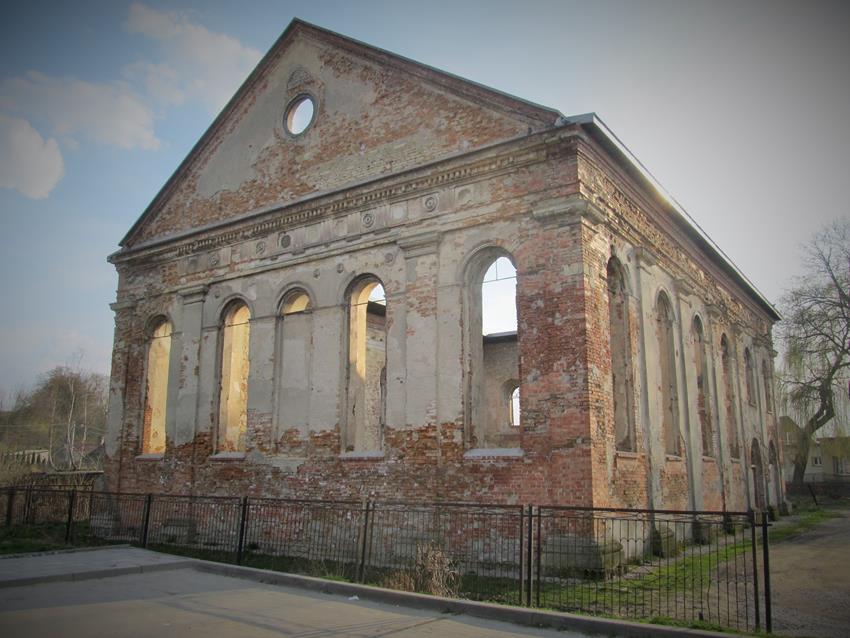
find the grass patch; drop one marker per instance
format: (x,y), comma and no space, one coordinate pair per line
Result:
(808,519)
(24,539)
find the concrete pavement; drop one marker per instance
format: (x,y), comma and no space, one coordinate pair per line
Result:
(129,592)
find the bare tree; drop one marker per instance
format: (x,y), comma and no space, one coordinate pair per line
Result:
(815,334)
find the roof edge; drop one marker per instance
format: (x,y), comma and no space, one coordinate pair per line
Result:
(602,134)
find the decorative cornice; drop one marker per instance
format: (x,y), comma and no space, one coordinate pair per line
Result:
(194,294)
(126,304)
(569,210)
(421,244)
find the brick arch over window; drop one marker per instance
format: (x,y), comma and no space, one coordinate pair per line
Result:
(234,367)
(156,386)
(664,318)
(491,344)
(729,398)
(366,364)
(622,375)
(701,354)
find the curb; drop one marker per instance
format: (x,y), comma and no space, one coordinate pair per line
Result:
(505,613)
(96,573)
(70,550)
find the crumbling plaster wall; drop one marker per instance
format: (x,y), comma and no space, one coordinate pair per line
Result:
(561,212)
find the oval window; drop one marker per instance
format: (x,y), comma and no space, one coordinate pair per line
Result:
(299,115)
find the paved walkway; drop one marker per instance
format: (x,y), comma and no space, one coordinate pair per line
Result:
(152,594)
(810,577)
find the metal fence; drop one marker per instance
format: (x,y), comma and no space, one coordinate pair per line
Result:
(696,568)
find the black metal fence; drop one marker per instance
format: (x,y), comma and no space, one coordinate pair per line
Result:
(696,568)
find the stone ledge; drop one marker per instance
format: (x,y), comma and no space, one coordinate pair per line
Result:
(228,456)
(494,453)
(150,456)
(376,455)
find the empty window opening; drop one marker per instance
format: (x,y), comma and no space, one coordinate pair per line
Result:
(768,386)
(498,298)
(156,388)
(513,406)
(729,398)
(667,377)
(299,114)
(622,381)
(295,302)
(750,377)
(367,360)
(493,363)
(701,372)
(233,392)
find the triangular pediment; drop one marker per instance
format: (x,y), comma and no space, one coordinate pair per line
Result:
(375,114)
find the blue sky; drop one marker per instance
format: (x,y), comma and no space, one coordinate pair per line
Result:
(741,111)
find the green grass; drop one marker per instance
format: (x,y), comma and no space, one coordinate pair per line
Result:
(808,519)
(41,538)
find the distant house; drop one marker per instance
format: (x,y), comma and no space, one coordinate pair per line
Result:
(829,453)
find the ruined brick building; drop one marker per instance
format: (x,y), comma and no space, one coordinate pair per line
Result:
(299,310)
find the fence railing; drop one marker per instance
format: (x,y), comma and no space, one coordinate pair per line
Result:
(696,568)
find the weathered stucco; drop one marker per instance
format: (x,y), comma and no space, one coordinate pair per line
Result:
(418,180)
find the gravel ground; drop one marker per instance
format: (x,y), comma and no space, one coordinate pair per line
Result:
(810,577)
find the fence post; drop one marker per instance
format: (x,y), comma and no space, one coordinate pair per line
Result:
(69,527)
(28,506)
(146,520)
(529,544)
(10,504)
(243,520)
(768,606)
(361,575)
(752,516)
(539,546)
(520,543)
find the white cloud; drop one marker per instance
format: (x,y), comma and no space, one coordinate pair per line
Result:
(28,163)
(210,65)
(109,114)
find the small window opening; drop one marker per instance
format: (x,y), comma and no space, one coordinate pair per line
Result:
(514,408)
(299,115)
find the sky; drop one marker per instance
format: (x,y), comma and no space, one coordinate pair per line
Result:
(741,110)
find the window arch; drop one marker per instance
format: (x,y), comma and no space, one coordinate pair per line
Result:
(768,386)
(667,377)
(622,380)
(701,372)
(514,412)
(729,399)
(749,377)
(295,301)
(156,386)
(233,385)
(366,369)
(492,352)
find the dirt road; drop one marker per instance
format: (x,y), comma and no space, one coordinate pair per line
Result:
(810,576)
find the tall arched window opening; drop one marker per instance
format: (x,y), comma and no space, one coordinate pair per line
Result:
(667,377)
(750,377)
(622,381)
(701,372)
(729,398)
(294,348)
(493,363)
(768,386)
(156,387)
(233,388)
(367,361)
(758,475)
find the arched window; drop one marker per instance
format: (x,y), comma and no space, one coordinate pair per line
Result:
(768,386)
(492,365)
(233,388)
(667,377)
(366,370)
(622,381)
(701,371)
(729,399)
(750,377)
(514,415)
(156,387)
(292,361)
